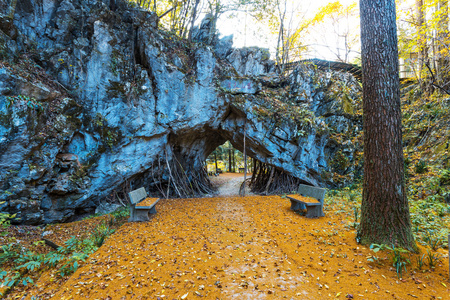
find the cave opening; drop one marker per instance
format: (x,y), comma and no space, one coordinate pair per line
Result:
(226,158)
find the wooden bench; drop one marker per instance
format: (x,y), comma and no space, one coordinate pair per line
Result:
(308,197)
(141,206)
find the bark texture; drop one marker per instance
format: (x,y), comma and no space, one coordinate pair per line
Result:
(385,210)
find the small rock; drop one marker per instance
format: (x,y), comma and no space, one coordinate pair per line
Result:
(45,233)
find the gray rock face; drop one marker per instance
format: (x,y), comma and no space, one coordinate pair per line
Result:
(107,103)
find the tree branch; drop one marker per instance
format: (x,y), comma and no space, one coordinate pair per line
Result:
(434,82)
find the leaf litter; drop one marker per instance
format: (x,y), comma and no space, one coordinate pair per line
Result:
(251,247)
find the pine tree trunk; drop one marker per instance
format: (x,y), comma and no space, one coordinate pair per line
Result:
(385,211)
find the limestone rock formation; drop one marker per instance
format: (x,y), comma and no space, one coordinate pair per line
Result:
(94,99)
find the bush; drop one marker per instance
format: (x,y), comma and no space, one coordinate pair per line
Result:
(444,178)
(5,219)
(421,167)
(66,258)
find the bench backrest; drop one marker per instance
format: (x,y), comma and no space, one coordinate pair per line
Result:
(311,191)
(137,195)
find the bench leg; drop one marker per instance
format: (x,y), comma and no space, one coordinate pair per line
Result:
(314,211)
(321,214)
(153,210)
(132,213)
(295,205)
(141,215)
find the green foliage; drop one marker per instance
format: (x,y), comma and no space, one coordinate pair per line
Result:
(9,252)
(71,264)
(432,239)
(5,219)
(118,216)
(100,233)
(421,167)
(420,262)
(30,102)
(444,178)
(67,258)
(399,261)
(433,259)
(121,213)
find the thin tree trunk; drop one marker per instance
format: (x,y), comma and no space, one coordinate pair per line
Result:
(422,43)
(215,160)
(442,35)
(229,160)
(234,162)
(245,164)
(385,215)
(194,16)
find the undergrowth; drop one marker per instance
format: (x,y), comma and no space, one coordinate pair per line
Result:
(19,265)
(430,217)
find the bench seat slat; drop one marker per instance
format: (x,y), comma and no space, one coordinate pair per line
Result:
(147,203)
(305,200)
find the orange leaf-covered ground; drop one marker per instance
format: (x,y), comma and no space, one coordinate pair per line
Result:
(240,248)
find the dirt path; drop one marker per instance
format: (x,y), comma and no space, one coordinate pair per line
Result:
(228,184)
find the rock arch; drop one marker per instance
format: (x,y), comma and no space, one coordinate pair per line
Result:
(140,100)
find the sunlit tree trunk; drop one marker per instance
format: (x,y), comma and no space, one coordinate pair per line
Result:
(215,160)
(442,37)
(385,215)
(422,39)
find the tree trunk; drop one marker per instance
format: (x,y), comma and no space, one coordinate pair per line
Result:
(229,160)
(193,18)
(215,160)
(442,36)
(422,38)
(245,164)
(385,215)
(234,162)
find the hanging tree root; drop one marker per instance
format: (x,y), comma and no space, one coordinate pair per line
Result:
(169,178)
(269,180)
